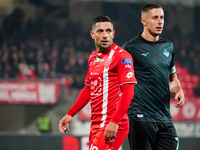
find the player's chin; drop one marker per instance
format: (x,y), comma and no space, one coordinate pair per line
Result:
(105,46)
(158,32)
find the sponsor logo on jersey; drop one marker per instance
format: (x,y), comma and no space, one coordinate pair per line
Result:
(145,54)
(97,59)
(127,67)
(127,61)
(129,75)
(94,147)
(94,73)
(166,52)
(140,115)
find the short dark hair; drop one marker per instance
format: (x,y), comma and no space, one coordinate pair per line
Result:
(149,6)
(101,19)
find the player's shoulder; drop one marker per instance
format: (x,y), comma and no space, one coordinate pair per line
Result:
(122,55)
(163,40)
(120,51)
(134,40)
(93,54)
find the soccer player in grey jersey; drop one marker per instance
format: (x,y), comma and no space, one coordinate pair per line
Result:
(151,126)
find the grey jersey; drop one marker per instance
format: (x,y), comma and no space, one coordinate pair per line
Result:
(153,62)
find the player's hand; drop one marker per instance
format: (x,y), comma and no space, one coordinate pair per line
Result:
(110,131)
(180,97)
(64,124)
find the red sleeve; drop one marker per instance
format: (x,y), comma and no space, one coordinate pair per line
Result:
(124,102)
(82,100)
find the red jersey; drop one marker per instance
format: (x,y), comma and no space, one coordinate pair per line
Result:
(106,72)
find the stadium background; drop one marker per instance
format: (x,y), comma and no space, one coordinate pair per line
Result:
(44,47)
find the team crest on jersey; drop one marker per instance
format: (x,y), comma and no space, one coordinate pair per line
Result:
(107,63)
(97,59)
(166,53)
(127,61)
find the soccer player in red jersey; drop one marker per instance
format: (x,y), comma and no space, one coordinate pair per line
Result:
(109,86)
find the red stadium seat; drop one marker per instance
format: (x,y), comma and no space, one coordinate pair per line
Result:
(184,71)
(195,79)
(188,78)
(189,85)
(178,70)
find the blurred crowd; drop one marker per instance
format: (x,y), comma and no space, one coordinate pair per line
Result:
(38,49)
(42,49)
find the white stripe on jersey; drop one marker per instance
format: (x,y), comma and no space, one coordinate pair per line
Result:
(105,91)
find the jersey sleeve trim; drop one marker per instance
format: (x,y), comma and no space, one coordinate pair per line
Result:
(173,70)
(134,82)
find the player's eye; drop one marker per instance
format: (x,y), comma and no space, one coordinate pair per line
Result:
(109,30)
(155,17)
(99,31)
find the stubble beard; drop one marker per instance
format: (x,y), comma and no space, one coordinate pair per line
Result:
(102,48)
(154,34)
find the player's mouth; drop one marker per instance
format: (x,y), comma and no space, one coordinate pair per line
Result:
(104,42)
(159,28)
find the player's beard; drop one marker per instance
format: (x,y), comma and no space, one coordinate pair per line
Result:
(102,47)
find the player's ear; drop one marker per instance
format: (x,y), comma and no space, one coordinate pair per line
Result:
(143,21)
(113,33)
(92,34)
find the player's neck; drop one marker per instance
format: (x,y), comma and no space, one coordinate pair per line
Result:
(102,50)
(149,37)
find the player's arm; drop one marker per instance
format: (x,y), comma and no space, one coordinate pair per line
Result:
(176,89)
(81,101)
(124,102)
